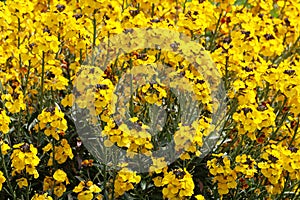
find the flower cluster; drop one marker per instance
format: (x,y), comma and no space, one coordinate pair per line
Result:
(85,190)
(4,122)
(56,182)
(24,158)
(124,181)
(277,162)
(52,122)
(177,184)
(60,153)
(223,174)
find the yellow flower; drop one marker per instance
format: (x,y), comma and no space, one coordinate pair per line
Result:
(158,181)
(125,180)
(157,165)
(2,179)
(223,174)
(52,121)
(272,164)
(63,151)
(41,197)
(245,164)
(60,176)
(85,195)
(4,121)
(47,148)
(22,182)
(59,189)
(178,184)
(48,183)
(86,190)
(4,147)
(24,157)
(199,197)
(68,100)
(80,187)
(14,102)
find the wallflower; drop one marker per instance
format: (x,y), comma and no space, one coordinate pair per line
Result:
(22,182)
(24,157)
(158,165)
(61,152)
(4,121)
(183,137)
(223,174)
(245,164)
(60,176)
(254,117)
(41,197)
(68,100)
(199,197)
(2,179)
(125,180)
(87,163)
(178,184)
(4,147)
(56,183)
(276,162)
(291,158)
(59,189)
(55,79)
(87,190)
(52,121)
(14,102)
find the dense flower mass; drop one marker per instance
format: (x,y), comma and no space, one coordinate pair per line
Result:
(24,157)
(178,184)
(49,50)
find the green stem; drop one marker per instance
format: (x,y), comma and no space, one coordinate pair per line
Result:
(94,21)
(284,187)
(295,197)
(295,133)
(113,185)
(42,81)
(286,53)
(27,78)
(12,191)
(152,10)
(184,6)
(215,33)
(176,16)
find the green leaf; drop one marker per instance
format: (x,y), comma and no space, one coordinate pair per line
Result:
(240,2)
(274,13)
